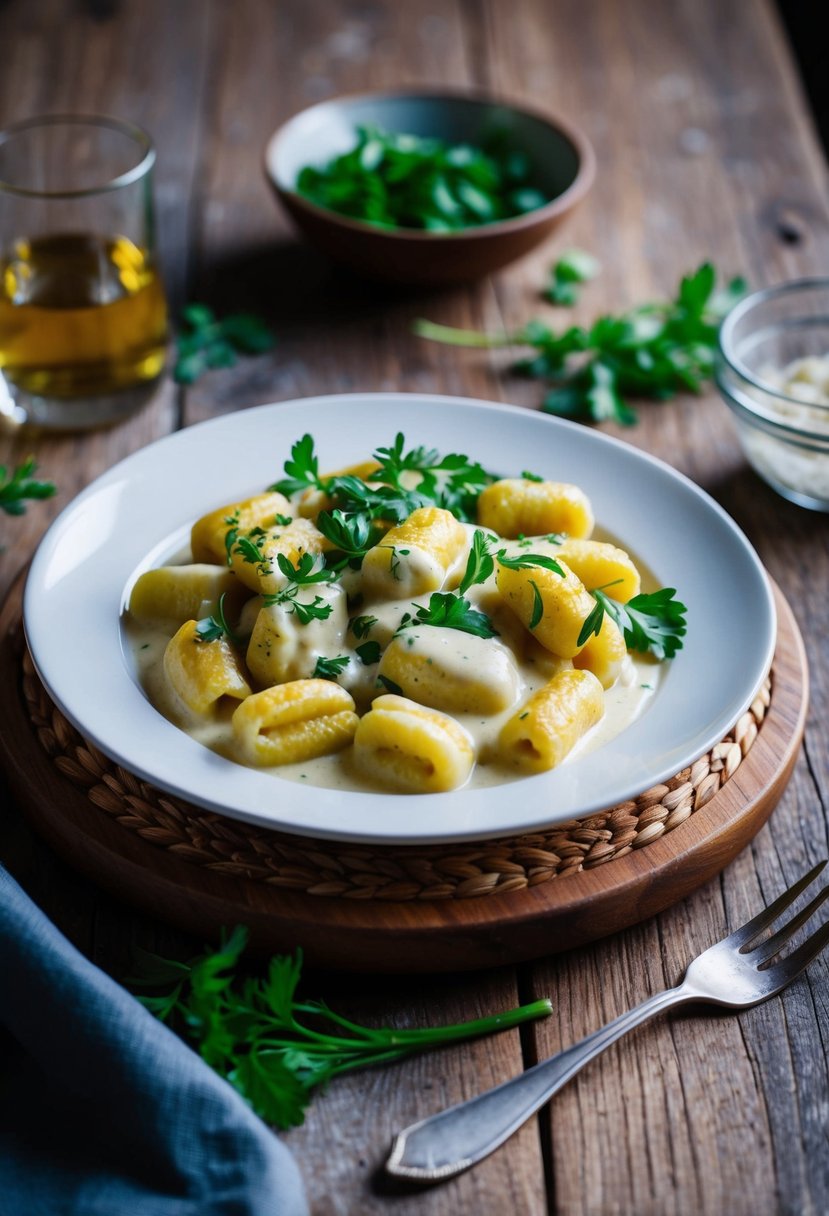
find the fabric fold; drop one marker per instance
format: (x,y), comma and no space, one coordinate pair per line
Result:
(103,1110)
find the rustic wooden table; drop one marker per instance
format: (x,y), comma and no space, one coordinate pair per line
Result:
(705,150)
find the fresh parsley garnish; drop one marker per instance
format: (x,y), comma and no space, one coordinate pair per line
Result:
(451,612)
(211,628)
(651,624)
(525,561)
(538,606)
(368,652)
(301,470)
(654,350)
(309,570)
(272,1045)
(352,535)
(20,484)
(205,342)
(390,685)
(480,563)
(330,669)
(361,626)
(571,270)
(408,181)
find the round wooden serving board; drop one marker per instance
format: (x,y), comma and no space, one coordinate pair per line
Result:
(492,903)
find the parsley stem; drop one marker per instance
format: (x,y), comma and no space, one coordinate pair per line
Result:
(451,336)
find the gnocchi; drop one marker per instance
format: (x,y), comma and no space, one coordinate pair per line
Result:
(411,623)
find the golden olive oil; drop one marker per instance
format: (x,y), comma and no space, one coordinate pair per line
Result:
(80,315)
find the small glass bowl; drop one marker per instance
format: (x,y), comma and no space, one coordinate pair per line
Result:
(781,411)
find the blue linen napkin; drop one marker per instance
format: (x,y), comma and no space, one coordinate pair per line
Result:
(103,1110)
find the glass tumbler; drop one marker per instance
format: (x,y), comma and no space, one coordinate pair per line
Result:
(83,316)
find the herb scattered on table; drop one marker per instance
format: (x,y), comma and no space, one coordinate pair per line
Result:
(205,342)
(407,181)
(274,1047)
(654,350)
(21,484)
(573,268)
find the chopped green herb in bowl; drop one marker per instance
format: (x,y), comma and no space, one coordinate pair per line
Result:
(407,181)
(427,188)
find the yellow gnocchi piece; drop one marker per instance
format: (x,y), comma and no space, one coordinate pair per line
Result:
(201,673)
(516,506)
(182,593)
(414,557)
(564,602)
(282,648)
(551,722)
(598,564)
(207,537)
(453,671)
(293,539)
(293,722)
(412,749)
(603,653)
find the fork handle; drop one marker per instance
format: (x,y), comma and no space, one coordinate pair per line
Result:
(449,1142)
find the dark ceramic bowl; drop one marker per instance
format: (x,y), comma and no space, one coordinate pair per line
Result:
(561,157)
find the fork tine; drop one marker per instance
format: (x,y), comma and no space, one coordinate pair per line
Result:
(747,932)
(782,973)
(766,950)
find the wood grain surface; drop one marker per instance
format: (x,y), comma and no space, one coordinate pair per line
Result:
(705,149)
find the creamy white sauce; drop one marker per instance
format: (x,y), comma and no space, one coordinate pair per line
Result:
(624,701)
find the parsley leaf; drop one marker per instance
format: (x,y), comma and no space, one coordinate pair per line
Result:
(352,535)
(452,612)
(361,626)
(330,669)
(211,628)
(21,484)
(368,652)
(310,569)
(302,469)
(479,564)
(205,342)
(652,624)
(525,561)
(390,685)
(255,1031)
(573,267)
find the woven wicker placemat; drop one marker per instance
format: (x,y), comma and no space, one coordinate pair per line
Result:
(380,872)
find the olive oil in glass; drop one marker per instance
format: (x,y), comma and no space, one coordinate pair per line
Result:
(80,315)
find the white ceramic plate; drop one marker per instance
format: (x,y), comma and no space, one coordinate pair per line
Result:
(136,514)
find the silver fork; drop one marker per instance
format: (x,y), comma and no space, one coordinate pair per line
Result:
(733,973)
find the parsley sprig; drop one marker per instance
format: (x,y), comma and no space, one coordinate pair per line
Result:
(205,342)
(21,484)
(654,350)
(451,612)
(211,628)
(651,624)
(272,1045)
(403,481)
(330,669)
(308,571)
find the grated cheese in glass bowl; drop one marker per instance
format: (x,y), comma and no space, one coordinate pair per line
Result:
(773,373)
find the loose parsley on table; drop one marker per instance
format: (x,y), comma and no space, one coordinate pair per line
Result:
(406,181)
(654,350)
(274,1047)
(572,269)
(21,484)
(205,342)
